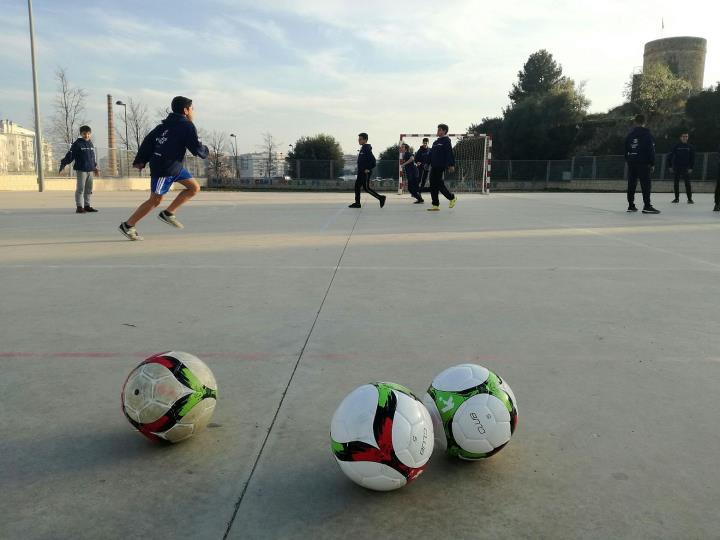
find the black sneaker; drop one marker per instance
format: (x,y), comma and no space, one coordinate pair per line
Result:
(355,205)
(717,208)
(129,231)
(690,201)
(419,201)
(675,200)
(632,208)
(90,209)
(79,210)
(382,200)
(650,210)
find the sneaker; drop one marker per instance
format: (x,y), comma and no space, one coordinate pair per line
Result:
(632,208)
(382,200)
(129,231)
(717,208)
(675,200)
(433,208)
(419,201)
(79,210)
(453,202)
(690,201)
(90,209)
(170,219)
(650,210)
(355,205)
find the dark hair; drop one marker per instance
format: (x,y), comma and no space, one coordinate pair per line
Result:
(363,135)
(406,145)
(180,103)
(85,129)
(640,119)
(444,127)
(426,139)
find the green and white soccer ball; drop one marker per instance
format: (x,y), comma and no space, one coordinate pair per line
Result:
(474,411)
(170,396)
(381,436)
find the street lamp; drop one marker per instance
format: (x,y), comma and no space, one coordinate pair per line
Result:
(38,139)
(127,140)
(237,173)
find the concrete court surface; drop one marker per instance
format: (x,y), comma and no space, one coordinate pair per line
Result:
(604,323)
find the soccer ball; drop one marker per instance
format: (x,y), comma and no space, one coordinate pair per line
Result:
(381,436)
(474,411)
(170,396)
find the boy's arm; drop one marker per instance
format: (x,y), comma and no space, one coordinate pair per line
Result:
(692,158)
(651,142)
(451,154)
(68,159)
(671,157)
(192,143)
(144,152)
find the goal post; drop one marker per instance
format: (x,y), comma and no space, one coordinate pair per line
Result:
(473,160)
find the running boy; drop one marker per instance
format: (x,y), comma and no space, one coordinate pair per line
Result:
(164,148)
(410,172)
(82,152)
(442,158)
(365,164)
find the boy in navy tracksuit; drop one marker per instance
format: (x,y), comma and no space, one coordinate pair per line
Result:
(441,158)
(164,148)
(682,162)
(82,152)
(640,158)
(422,160)
(410,172)
(365,164)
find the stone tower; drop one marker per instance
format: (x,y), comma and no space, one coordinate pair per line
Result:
(685,56)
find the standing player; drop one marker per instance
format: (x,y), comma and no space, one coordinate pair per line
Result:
(411,173)
(82,152)
(640,158)
(365,164)
(682,162)
(441,159)
(164,148)
(422,159)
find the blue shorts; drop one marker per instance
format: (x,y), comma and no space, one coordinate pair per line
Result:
(160,185)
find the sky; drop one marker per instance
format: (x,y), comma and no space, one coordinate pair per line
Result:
(293,69)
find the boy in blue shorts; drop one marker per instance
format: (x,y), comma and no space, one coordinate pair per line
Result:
(164,148)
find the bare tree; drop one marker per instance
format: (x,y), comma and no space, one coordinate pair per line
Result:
(69,109)
(138,125)
(269,148)
(217,165)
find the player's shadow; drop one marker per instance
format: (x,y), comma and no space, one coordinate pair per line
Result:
(65,242)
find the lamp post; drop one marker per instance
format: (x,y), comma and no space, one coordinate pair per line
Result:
(36,100)
(127,139)
(237,172)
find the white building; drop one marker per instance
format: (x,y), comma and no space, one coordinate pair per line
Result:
(17,149)
(260,165)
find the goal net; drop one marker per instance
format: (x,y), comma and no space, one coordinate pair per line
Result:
(473,157)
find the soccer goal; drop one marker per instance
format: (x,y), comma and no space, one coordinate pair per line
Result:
(473,160)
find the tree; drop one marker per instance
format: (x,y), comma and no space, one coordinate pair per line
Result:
(217,162)
(138,125)
(316,156)
(659,93)
(703,113)
(388,165)
(494,127)
(540,74)
(545,126)
(69,109)
(269,148)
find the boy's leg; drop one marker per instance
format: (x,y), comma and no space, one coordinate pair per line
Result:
(676,184)
(717,192)
(358,186)
(80,188)
(145,208)
(688,186)
(444,190)
(88,188)
(632,184)
(191,189)
(435,179)
(645,185)
(371,191)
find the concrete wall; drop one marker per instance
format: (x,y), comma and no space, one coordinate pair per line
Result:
(29,183)
(685,56)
